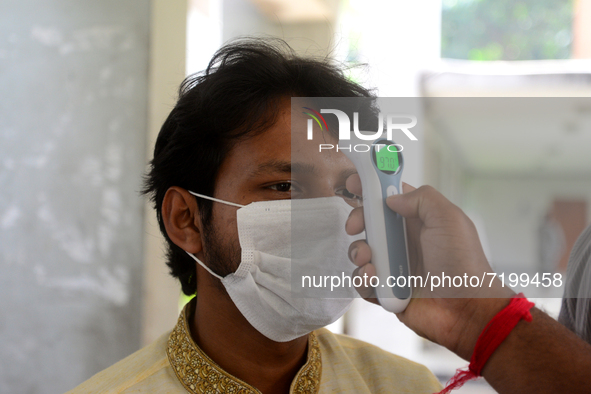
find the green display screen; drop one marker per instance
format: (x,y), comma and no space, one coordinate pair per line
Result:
(387,160)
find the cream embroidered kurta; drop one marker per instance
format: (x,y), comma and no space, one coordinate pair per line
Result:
(336,364)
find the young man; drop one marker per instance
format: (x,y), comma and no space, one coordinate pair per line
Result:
(221,180)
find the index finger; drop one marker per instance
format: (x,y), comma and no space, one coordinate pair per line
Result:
(353,184)
(422,203)
(406,188)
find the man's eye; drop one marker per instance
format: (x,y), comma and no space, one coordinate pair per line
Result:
(348,195)
(282,187)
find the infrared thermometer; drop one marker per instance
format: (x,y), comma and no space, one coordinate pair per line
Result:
(380,168)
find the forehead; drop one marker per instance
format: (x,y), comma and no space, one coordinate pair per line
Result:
(286,141)
(305,149)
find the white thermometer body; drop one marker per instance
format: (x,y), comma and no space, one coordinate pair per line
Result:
(380,170)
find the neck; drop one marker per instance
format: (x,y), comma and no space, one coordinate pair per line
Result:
(227,338)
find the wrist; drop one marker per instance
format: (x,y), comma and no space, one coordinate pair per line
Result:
(476,314)
(505,349)
(473,319)
(491,337)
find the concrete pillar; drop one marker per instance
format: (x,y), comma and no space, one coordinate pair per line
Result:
(167,71)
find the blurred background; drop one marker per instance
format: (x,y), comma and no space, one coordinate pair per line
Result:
(87,84)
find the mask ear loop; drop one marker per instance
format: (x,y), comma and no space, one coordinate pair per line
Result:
(201,263)
(216,199)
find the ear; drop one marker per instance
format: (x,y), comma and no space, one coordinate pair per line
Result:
(181,219)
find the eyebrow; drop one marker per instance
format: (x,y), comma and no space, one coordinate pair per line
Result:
(272,166)
(287,167)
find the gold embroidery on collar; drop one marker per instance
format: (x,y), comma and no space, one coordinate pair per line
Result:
(199,374)
(307,380)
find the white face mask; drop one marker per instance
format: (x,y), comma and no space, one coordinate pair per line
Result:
(261,287)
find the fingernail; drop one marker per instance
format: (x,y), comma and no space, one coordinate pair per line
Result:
(354,254)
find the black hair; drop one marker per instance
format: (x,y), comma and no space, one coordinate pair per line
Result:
(236,97)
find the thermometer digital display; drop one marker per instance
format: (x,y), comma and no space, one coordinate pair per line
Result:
(385,159)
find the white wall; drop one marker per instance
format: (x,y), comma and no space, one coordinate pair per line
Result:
(243,18)
(73,109)
(512,209)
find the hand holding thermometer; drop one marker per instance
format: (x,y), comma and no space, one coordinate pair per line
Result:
(380,170)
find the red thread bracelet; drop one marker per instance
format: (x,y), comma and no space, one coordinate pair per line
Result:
(490,338)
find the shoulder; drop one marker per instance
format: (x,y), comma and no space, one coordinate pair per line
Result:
(346,356)
(577,289)
(578,271)
(360,352)
(147,367)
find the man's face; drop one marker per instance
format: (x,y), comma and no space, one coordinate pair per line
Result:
(272,166)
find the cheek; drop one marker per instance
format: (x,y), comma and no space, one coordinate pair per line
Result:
(225,222)
(225,234)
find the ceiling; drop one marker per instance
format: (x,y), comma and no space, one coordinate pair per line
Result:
(512,135)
